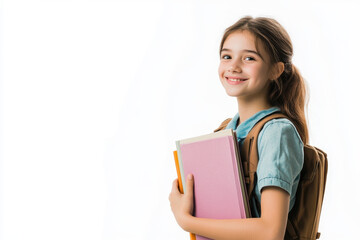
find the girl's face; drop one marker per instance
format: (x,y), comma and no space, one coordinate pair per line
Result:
(244,71)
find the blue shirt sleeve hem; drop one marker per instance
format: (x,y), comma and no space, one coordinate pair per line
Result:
(273,181)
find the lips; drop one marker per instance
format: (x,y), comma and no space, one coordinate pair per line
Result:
(235,80)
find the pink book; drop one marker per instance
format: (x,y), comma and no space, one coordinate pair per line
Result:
(219,188)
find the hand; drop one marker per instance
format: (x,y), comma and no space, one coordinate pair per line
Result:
(182,205)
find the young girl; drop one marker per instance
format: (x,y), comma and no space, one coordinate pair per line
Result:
(256,68)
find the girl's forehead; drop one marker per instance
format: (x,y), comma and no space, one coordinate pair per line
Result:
(244,40)
(239,39)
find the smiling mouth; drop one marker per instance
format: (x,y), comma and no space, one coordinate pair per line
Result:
(236,79)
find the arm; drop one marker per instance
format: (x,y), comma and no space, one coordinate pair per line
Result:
(271,224)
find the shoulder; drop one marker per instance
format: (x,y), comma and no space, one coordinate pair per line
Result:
(280,144)
(280,129)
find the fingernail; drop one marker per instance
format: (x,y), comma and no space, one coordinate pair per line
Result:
(189,176)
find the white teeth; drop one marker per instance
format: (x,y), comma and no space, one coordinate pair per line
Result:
(235,80)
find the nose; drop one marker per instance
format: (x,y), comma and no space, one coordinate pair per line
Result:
(234,67)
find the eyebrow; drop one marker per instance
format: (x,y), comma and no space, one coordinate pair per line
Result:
(244,50)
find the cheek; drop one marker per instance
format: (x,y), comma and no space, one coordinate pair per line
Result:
(258,72)
(221,69)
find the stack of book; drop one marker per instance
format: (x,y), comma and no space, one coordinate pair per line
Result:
(219,186)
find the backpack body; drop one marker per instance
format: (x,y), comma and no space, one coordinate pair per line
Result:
(303,219)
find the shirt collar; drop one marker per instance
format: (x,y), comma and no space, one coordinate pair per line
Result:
(244,128)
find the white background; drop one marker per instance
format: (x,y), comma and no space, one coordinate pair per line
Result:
(94,95)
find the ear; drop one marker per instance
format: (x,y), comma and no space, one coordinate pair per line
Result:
(277,70)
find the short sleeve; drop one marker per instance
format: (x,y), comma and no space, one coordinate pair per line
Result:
(281,156)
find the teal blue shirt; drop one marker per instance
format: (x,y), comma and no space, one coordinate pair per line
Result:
(281,154)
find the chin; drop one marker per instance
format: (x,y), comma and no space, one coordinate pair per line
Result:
(232,93)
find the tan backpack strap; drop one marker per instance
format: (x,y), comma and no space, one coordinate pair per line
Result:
(249,153)
(223,125)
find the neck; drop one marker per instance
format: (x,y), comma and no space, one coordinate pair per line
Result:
(248,108)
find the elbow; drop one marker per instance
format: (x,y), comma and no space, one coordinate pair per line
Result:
(278,237)
(274,232)
(274,236)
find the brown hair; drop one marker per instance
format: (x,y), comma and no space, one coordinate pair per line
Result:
(288,91)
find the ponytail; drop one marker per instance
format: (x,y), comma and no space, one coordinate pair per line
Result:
(288,92)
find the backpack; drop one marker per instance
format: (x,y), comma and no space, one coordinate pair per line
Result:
(303,219)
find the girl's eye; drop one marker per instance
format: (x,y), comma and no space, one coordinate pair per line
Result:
(226,57)
(249,58)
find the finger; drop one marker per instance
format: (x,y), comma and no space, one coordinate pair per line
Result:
(190,185)
(170,197)
(175,186)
